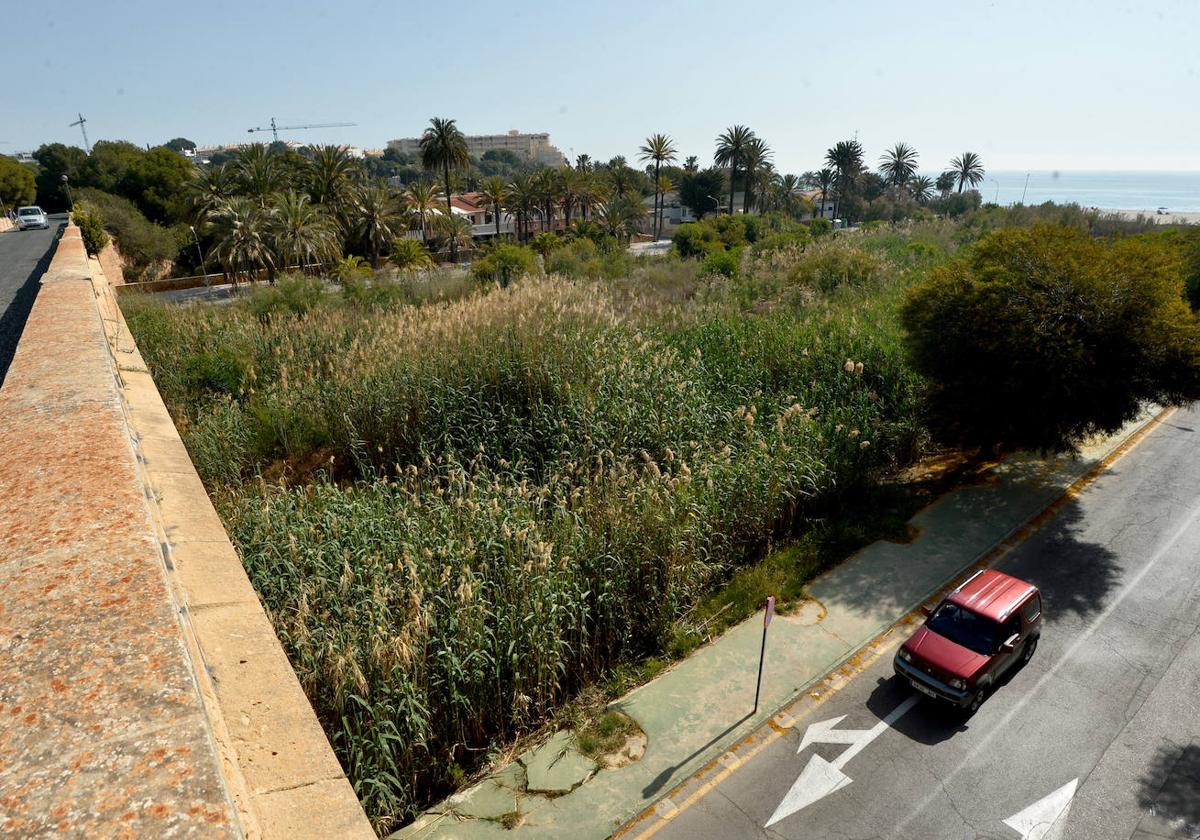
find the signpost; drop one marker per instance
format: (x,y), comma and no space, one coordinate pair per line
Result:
(768,613)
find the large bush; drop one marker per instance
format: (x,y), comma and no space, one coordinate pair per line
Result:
(505,263)
(147,250)
(1042,336)
(17,183)
(696,239)
(91,227)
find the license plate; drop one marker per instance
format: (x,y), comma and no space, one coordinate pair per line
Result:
(924,689)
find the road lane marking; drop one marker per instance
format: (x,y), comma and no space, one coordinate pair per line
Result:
(1046,818)
(882,644)
(1068,656)
(820,777)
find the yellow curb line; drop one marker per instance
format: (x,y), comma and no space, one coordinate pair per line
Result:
(782,721)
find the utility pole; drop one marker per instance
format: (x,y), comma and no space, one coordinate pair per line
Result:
(80,122)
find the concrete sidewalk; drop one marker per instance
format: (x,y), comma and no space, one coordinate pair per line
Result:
(693,713)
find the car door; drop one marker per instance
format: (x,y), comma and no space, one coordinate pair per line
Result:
(1010,628)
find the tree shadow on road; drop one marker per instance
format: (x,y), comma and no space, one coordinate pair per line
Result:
(12,320)
(1170,787)
(1077,578)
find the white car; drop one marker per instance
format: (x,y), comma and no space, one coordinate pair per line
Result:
(31,217)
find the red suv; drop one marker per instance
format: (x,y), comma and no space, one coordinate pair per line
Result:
(984,627)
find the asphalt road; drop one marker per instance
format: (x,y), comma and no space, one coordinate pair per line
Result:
(1104,721)
(24,256)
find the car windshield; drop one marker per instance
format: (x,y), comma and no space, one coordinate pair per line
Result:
(965,628)
(29,211)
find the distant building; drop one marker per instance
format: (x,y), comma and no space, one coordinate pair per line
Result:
(534,147)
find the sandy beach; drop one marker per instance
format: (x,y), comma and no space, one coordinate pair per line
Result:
(1170,218)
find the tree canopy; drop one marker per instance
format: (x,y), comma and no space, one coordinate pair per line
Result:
(17,183)
(1042,336)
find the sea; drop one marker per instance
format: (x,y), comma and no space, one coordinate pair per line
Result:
(1177,191)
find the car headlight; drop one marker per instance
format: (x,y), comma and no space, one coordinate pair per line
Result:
(904,654)
(955,682)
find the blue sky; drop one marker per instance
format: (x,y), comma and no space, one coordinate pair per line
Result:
(1028,85)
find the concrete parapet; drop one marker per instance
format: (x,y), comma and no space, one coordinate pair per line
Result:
(143,692)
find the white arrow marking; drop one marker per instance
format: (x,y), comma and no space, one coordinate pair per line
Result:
(1046,818)
(820,777)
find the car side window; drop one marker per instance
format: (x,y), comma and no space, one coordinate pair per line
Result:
(1011,627)
(1032,609)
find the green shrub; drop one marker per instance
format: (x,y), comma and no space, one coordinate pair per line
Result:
(410,255)
(820,227)
(839,262)
(544,243)
(505,263)
(91,227)
(147,250)
(723,262)
(1042,336)
(732,230)
(293,294)
(696,239)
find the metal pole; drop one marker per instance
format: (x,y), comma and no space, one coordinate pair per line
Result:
(761,655)
(1025,188)
(200,252)
(996,198)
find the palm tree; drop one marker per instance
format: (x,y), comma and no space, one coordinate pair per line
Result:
(664,185)
(757,160)
(825,180)
(456,230)
(410,255)
(545,186)
(522,199)
(211,189)
(846,158)
(259,173)
(301,233)
(921,188)
(331,173)
(583,163)
(691,164)
(785,188)
(495,194)
(588,192)
(443,147)
(967,169)
(660,149)
(620,217)
(420,200)
(242,238)
(945,182)
(731,151)
(898,164)
(379,219)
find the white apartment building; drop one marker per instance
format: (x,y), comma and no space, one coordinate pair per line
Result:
(535,147)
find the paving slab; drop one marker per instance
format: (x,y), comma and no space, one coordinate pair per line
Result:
(556,766)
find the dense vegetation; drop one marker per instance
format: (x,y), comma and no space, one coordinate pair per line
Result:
(1044,335)
(460,514)
(463,501)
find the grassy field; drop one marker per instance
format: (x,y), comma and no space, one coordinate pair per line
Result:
(461,514)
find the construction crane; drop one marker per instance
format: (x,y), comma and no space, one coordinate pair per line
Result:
(79,122)
(275,129)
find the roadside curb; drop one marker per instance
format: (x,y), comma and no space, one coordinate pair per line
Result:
(700,782)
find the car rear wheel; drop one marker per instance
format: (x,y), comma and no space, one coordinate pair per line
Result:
(1030,647)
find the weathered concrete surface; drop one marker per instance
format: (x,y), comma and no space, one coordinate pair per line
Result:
(143,692)
(556,766)
(290,784)
(104,732)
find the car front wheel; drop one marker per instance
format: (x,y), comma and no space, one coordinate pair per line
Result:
(1030,647)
